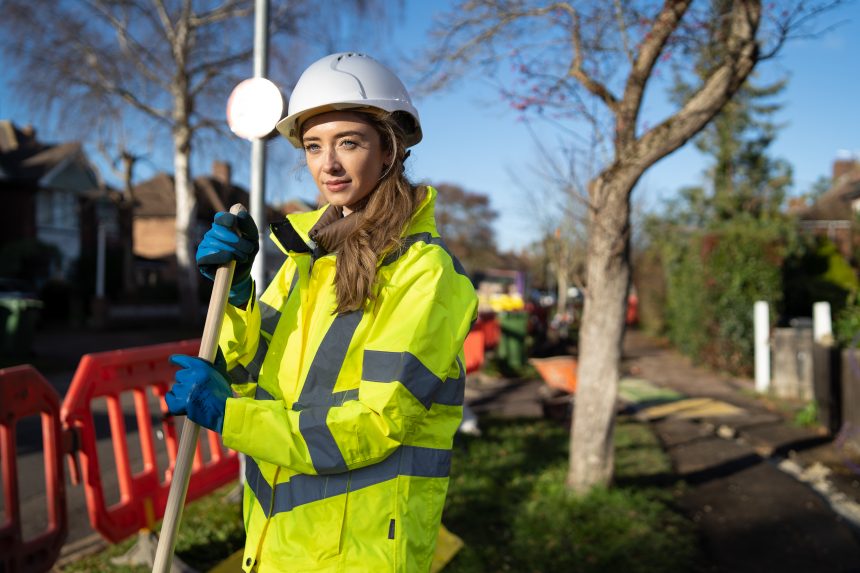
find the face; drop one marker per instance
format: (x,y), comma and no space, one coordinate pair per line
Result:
(344,155)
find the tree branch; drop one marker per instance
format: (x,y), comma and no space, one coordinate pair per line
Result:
(664,24)
(576,71)
(740,56)
(622,31)
(131,48)
(227,11)
(166,24)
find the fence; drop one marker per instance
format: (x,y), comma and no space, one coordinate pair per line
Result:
(23,393)
(71,429)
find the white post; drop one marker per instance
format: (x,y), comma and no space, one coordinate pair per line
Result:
(822,329)
(761,325)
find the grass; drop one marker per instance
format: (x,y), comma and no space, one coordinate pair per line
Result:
(508,502)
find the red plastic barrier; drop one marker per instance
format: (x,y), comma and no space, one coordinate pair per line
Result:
(473,349)
(490,326)
(24,392)
(143,495)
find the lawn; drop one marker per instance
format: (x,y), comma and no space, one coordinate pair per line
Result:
(507,501)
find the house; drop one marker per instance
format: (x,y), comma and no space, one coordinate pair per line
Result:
(835,212)
(56,196)
(154,221)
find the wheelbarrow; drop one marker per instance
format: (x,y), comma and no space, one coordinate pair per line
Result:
(559,375)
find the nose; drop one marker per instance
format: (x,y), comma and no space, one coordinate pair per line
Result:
(331,163)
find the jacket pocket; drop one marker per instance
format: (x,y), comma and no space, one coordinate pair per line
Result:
(311,530)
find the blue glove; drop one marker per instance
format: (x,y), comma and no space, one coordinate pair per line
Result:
(201,391)
(222,244)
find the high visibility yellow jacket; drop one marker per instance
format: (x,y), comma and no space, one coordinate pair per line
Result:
(348,420)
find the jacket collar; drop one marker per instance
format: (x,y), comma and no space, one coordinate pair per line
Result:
(293,234)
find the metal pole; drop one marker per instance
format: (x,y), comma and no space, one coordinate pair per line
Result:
(100,261)
(258,146)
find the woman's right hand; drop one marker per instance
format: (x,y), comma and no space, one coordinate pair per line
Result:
(231,238)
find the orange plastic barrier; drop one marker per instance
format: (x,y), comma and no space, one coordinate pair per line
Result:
(143,495)
(24,392)
(473,349)
(490,326)
(557,371)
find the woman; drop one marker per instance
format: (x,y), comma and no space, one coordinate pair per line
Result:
(350,365)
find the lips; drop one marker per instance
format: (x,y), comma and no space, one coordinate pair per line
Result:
(337,184)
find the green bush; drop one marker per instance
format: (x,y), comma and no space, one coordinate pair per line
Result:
(713,279)
(846,326)
(817,271)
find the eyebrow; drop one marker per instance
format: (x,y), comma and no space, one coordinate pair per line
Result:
(352,133)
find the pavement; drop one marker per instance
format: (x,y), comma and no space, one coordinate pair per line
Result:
(766,494)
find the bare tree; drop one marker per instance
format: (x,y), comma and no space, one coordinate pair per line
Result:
(566,55)
(465,220)
(162,66)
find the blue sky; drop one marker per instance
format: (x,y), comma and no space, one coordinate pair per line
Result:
(472,141)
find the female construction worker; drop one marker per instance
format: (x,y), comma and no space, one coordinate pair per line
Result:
(350,364)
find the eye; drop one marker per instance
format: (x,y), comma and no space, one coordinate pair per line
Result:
(312,147)
(348,144)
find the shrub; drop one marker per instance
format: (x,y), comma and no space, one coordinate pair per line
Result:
(713,279)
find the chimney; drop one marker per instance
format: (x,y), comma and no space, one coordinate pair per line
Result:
(222,173)
(845,164)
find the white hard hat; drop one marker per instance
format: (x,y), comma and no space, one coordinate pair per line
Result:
(348,80)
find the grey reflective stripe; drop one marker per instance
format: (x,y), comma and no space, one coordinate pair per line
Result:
(453,391)
(261,394)
(293,283)
(269,317)
(424,238)
(239,375)
(403,367)
(413,461)
(258,484)
(256,363)
(322,447)
(326,365)
(336,399)
(243,374)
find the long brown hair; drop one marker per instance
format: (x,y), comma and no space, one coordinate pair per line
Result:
(383,217)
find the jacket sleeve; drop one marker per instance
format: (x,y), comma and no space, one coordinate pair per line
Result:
(422,314)
(244,338)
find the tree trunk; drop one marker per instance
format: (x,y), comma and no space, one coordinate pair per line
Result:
(186,209)
(602,331)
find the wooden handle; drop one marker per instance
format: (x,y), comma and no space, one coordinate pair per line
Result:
(190,430)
